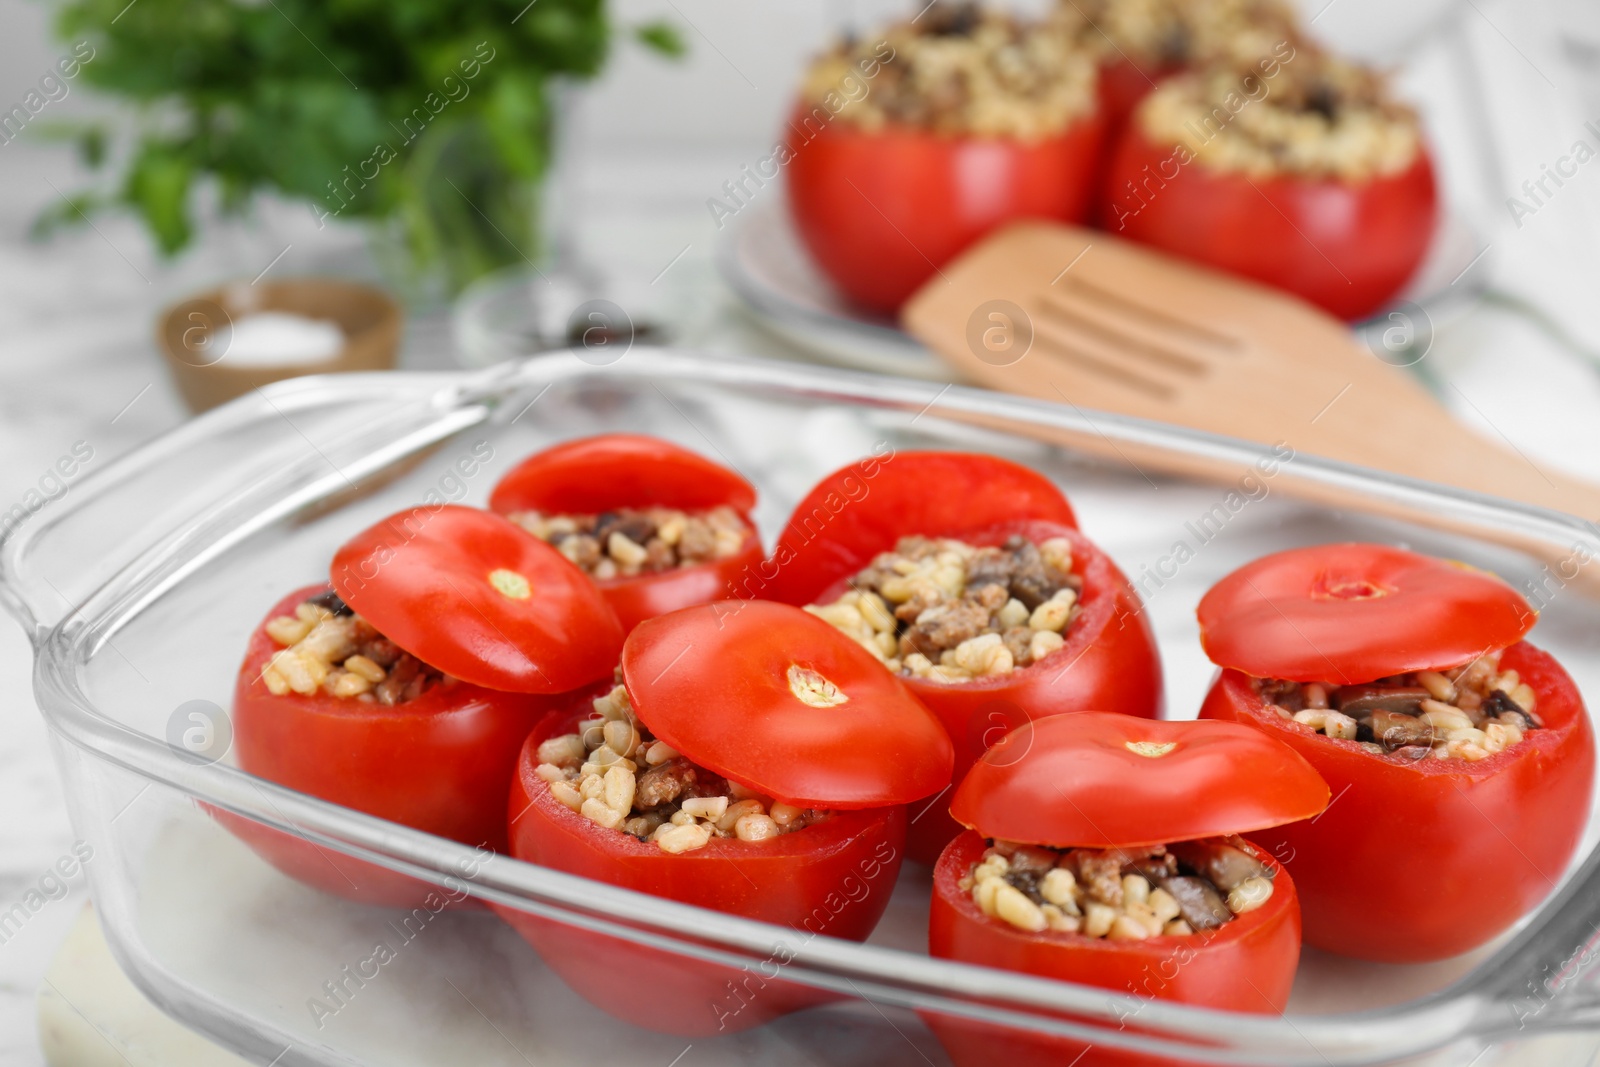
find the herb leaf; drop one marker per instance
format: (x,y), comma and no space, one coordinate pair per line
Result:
(360,107)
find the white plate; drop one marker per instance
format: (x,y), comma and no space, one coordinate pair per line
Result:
(760,257)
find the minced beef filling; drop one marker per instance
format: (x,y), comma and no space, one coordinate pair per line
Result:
(671,801)
(626,542)
(957,69)
(1183,33)
(1470,713)
(1122,894)
(329,648)
(1317,117)
(947,611)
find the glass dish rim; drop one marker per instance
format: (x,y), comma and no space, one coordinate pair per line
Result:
(466,398)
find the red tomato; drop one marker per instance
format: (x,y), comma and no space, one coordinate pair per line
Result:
(440,763)
(1353,613)
(831,878)
(775,699)
(1106,781)
(598,474)
(863,509)
(881,211)
(1109,663)
(1123,85)
(1098,780)
(1477,844)
(646,596)
(1348,247)
(1246,965)
(477,597)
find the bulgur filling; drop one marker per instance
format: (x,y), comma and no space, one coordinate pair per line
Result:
(1318,117)
(613,773)
(631,541)
(1467,713)
(961,69)
(329,648)
(1156,34)
(1122,894)
(947,611)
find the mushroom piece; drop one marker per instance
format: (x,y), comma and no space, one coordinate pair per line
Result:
(1226,865)
(1396,730)
(1201,906)
(1026,882)
(334,603)
(632,525)
(1360,701)
(1499,704)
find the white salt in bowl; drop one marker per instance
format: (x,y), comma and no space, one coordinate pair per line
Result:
(225,342)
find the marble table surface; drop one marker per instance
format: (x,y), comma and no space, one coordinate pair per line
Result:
(79,370)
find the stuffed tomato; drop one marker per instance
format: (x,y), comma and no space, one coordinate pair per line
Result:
(765,776)
(1313,179)
(908,146)
(1459,754)
(1103,850)
(965,575)
(1139,44)
(407,689)
(656,526)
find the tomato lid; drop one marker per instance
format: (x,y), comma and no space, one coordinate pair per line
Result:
(861,510)
(1352,613)
(1093,779)
(775,699)
(596,474)
(471,594)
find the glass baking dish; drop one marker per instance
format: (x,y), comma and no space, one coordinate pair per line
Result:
(139,586)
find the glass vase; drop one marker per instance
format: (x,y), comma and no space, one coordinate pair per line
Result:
(464,214)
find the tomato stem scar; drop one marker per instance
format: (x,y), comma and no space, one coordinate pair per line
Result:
(510,584)
(813,690)
(1356,589)
(1151,749)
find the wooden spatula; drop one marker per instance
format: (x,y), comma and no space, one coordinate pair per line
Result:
(1122,328)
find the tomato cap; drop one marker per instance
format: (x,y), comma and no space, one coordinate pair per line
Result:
(475,596)
(1352,613)
(1093,779)
(596,474)
(775,699)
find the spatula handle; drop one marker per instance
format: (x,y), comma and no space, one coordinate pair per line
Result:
(1454,454)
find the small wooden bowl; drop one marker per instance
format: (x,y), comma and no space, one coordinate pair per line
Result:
(192,335)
